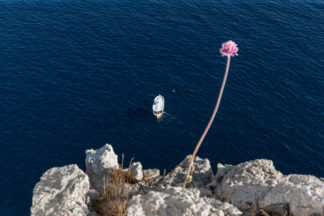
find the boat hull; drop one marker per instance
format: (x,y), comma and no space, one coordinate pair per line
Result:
(158,116)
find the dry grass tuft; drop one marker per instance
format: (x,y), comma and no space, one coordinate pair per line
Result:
(113,201)
(118,191)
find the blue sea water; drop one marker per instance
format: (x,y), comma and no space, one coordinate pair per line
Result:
(76,74)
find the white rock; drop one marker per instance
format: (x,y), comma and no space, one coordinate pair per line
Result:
(99,165)
(258,184)
(222,169)
(202,173)
(136,170)
(178,201)
(304,193)
(61,191)
(151,173)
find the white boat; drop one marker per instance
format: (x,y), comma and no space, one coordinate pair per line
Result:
(158,106)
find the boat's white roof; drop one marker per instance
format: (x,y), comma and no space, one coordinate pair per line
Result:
(158,104)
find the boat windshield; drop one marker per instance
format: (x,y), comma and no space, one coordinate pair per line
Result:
(157,112)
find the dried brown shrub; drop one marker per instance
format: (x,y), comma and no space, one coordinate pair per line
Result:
(113,201)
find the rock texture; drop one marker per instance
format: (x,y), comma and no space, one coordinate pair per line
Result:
(61,191)
(254,187)
(178,201)
(151,174)
(257,184)
(136,170)
(202,173)
(99,165)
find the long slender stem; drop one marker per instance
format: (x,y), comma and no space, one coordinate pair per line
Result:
(209,123)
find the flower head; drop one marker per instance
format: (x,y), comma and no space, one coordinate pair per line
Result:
(229,48)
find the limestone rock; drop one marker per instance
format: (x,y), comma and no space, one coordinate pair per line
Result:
(99,164)
(178,201)
(150,174)
(254,187)
(222,170)
(202,173)
(304,193)
(61,191)
(258,184)
(136,170)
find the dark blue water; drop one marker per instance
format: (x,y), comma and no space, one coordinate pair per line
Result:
(78,74)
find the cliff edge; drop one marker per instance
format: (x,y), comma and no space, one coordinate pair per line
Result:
(249,188)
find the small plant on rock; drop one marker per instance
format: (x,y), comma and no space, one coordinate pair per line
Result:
(113,200)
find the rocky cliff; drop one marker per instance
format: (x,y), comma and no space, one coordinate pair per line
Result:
(250,188)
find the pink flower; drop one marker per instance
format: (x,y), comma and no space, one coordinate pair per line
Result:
(229,48)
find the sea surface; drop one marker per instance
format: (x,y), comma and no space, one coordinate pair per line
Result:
(76,74)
